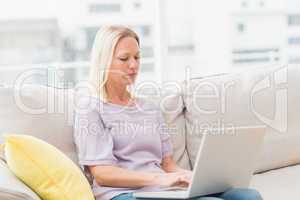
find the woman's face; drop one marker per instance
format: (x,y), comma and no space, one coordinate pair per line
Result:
(125,62)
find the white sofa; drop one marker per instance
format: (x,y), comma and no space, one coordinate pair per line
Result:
(262,96)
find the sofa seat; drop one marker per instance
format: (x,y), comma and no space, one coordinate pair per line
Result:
(279,184)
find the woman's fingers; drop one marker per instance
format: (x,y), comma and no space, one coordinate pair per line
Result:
(175,179)
(181,181)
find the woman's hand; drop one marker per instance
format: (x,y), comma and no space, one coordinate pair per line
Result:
(187,173)
(170,166)
(179,179)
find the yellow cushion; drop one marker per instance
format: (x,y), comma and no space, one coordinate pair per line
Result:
(51,174)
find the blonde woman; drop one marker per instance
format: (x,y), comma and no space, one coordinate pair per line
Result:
(114,148)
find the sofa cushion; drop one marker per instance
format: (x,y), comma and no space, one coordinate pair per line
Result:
(267,96)
(172,108)
(40,111)
(11,188)
(170,101)
(278,184)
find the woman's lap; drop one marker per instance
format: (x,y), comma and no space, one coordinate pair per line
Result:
(128,196)
(241,194)
(233,194)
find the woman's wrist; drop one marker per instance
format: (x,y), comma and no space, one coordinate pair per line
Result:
(150,179)
(184,170)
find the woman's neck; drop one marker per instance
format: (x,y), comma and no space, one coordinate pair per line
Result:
(117,93)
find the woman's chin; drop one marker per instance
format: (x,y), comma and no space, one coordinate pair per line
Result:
(129,81)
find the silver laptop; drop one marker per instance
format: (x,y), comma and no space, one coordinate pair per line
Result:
(226,159)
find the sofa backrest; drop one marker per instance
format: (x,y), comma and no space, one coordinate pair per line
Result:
(47,113)
(39,111)
(268,96)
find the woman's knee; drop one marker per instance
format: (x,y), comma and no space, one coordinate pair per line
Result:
(124,196)
(241,194)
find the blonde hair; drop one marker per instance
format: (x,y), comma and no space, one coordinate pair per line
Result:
(101,57)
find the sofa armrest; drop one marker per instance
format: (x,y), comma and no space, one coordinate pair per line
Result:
(11,188)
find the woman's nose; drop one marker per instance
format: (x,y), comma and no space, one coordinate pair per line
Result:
(134,64)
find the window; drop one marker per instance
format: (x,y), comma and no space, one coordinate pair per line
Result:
(185,48)
(244,4)
(294,60)
(90,36)
(104,8)
(244,56)
(294,41)
(147,67)
(262,4)
(142,30)
(147,52)
(246,51)
(241,27)
(145,30)
(294,20)
(137,5)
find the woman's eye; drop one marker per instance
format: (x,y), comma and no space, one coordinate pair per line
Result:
(123,59)
(137,57)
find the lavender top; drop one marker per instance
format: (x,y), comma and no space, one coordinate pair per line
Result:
(133,137)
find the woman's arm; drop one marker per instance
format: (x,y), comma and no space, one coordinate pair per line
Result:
(112,176)
(169,165)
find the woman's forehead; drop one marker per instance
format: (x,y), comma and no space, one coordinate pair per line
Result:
(127,42)
(127,45)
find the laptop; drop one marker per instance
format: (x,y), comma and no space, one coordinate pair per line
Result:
(226,159)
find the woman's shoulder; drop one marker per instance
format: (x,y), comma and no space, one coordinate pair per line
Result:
(88,103)
(146,102)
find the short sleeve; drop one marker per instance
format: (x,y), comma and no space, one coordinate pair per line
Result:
(166,143)
(93,141)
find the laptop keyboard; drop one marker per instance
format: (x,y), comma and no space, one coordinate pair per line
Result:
(174,188)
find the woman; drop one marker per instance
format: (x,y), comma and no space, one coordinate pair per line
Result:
(116,151)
